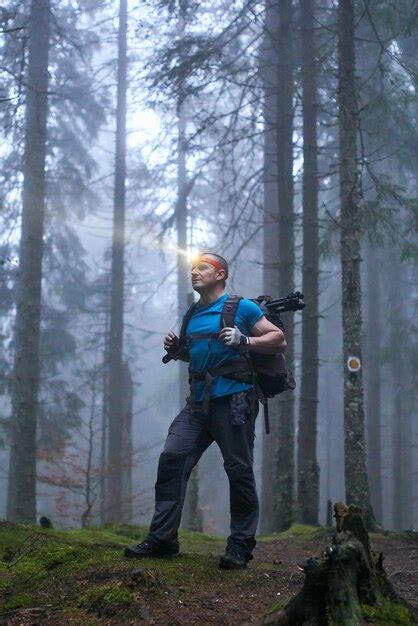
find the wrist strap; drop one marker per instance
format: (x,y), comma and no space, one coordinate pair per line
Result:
(244,344)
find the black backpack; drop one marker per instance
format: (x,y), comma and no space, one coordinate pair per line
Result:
(272,374)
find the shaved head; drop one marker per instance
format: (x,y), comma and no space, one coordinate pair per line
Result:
(215,259)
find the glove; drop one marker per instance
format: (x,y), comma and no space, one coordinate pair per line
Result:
(233,337)
(171,342)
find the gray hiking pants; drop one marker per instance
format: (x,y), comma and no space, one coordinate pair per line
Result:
(190,433)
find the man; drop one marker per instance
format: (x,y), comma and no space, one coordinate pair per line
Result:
(229,419)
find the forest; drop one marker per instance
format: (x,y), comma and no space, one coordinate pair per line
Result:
(282,135)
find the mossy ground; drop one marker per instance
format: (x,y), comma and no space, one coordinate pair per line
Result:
(81,577)
(84,570)
(300,531)
(387,613)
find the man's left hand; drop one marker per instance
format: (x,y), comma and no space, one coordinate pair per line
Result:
(232,336)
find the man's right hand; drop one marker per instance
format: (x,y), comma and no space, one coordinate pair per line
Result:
(170,341)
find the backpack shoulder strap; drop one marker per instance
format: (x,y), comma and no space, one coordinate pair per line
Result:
(229,311)
(186,319)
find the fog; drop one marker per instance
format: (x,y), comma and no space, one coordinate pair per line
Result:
(214,130)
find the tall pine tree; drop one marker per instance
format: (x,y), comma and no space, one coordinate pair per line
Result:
(117,369)
(21,502)
(357,488)
(308,469)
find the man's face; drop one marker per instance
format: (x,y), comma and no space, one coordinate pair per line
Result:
(204,275)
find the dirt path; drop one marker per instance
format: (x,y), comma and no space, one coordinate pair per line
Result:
(273,575)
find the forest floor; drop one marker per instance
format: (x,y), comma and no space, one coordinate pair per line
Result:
(81,576)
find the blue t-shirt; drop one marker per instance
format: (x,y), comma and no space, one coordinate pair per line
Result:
(205,353)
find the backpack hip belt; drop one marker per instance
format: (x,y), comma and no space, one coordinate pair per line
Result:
(239,369)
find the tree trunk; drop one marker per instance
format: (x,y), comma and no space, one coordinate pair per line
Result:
(105,415)
(278,446)
(183,267)
(346,584)
(308,469)
(114,482)
(373,392)
(21,503)
(268,60)
(89,495)
(410,496)
(285,466)
(190,517)
(372,329)
(127,408)
(357,488)
(399,410)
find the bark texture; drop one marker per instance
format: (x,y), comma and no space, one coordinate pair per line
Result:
(357,488)
(373,372)
(308,469)
(344,584)
(127,452)
(115,434)
(271,243)
(183,263)
(105,415)
(278,471)
(285,466)
(21,502)
(191,517)
(400,410)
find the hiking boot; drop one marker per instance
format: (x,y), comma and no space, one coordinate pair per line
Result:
(153,549)
(234,558)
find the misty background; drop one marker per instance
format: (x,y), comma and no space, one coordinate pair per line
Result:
(174,126)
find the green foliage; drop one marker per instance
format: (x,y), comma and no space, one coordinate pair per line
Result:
(192,57)
(280,604)
(105,596)
(18,600)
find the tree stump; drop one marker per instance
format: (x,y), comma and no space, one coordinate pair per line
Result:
(346,584)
